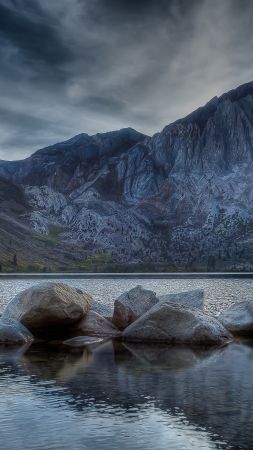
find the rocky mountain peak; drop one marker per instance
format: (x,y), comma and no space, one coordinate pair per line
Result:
(182,197)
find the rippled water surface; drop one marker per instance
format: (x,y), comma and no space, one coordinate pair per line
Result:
(129,396)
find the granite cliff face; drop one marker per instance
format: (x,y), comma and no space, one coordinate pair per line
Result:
(181,199)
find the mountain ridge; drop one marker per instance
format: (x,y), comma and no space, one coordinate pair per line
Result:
(179,200)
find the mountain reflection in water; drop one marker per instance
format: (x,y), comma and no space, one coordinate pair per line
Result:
(126,396)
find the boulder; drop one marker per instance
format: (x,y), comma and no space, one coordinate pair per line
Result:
(103,310)
(190,299)
(95,325)
(13,332)
(238,318)
(131,305)
(49,306)
(83,341)
(175,324)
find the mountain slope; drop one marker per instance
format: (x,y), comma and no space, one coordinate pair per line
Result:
(181,199)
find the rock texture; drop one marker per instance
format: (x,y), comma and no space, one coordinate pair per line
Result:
(131,305)
(48,305)
(181,199)
(238,318)
(13,332)
(175,324)
(190,299)
(103,310)
(94,324)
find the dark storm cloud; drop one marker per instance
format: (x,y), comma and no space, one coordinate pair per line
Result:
(144,9)
(71,66)
(36,39)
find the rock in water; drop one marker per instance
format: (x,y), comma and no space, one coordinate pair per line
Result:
(84,341)
(238,318)
(175,324)
(49,305)
(13,332)
(190,299)
(131,305)
(94,324)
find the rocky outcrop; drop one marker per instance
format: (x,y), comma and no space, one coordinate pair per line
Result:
(93,324)
(190,299)
(61,166)
(49,306)
(238,318)
(175,324)
(131,305)
(13,332)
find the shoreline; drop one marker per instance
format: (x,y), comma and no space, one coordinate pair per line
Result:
(103,275)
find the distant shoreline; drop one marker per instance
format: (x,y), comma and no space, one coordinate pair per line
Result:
(161,275)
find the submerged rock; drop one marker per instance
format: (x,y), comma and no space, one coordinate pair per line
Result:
(83,341)
(175,324)
(49,305)
(13,332)
(94,324)
(238,318)
(131,305)
(190,299)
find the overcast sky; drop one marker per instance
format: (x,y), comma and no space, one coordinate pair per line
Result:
(72,66)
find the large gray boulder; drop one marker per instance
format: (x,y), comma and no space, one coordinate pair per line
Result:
(49,305)
(238,318)
(103,310)
(175,324)
(190,299)
(93,324)
(131,305)
(13,332)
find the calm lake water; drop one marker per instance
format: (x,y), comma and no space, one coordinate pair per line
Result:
(129,396)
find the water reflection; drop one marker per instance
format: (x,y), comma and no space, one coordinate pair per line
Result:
(170,357)
(129,396)
(52,363)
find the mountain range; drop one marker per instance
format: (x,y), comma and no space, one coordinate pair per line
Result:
(179,200)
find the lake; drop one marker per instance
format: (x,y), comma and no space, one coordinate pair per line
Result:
(129,396)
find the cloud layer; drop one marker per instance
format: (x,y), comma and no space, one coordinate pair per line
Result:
(72,66)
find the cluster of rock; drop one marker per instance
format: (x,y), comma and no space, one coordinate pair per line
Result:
(172,319)
(139,315)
